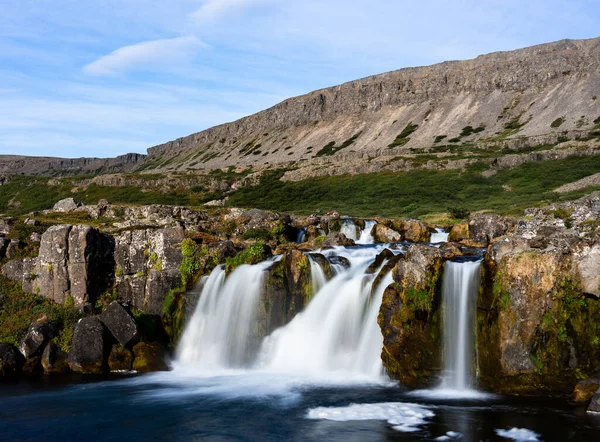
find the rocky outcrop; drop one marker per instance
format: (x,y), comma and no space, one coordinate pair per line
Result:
(89,347)
(409,317)
(11,362)
(384,234)
(147,266)
(65,205)
(585,390)
(120,359)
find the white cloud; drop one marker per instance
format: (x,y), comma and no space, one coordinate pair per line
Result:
(145,55)
(213,9)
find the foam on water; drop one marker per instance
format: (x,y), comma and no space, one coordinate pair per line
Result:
(404,417)
(519,434)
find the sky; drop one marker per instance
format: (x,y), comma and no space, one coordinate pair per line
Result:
(104,78)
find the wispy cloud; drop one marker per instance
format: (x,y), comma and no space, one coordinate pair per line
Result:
(145,55)
(213,9)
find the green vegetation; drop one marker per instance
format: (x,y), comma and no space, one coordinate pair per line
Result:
(470,130)
(404,136)
(458,212)
(189,262)
(419,300)
(420,192)
(18,309)
(558,122)
(438,139)
(254,254)
(330,148)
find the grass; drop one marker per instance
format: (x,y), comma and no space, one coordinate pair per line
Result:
(420,192)
(404,136)
(19,309)
(330,148)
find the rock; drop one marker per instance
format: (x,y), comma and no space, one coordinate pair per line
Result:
(336,239)
(298,279)
(11,362)
(586,262)
(65,205)
(4,242)
(484,228)
(409,317)
(384,234)
(40,332)
(12,248)
(225,250)
(88,347)
(149,356)
(35,237)
(594,406)
(385,255)
(459,232)
(120,359)
(33,367)
(585,389)
(54,360)
(416,231)
(120,323)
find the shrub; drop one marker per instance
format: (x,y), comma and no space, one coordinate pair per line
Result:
(404,136)
(557,123)
(189,262)
(458,212)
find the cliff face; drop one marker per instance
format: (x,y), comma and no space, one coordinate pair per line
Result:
(537,92)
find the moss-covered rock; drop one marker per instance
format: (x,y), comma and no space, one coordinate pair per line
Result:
(120,358)
(54,360)
(149,356)
(416,231)
(459,232)
(409,317)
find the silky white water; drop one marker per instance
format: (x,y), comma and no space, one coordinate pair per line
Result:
(337,333)
(365,235)
(459,297)
(439,236)
(351,231)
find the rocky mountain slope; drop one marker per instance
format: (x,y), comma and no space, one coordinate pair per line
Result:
(542,95)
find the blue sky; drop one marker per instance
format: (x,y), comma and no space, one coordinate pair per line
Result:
(103,78)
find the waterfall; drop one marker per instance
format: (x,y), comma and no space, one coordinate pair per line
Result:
(439,236)
(352,232)
(301,235)
(365,235)
(459,297)
(337,332)
(219,334)
(349,229)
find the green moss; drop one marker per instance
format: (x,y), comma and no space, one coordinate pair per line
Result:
(190,263)
(419,299)
(253,254)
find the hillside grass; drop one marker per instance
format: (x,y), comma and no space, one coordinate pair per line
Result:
(421,192)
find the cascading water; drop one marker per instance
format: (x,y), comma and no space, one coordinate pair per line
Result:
(365,235)
(336,333)
(459,297)
(349,229)
(219,333)
(439,236)
(301,235)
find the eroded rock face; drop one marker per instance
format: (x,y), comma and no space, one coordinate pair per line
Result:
(11,362)
(409,317)
(120,323)
(147,266)
(89,347)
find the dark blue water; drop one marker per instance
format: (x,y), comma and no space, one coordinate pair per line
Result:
(260,407)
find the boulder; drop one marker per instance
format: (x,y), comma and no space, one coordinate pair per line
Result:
(385,256)
(120,359)
(485,228)
(416,231)
(65,205)
(40,332)
(384,234)
(594,406)
(4,242)
(88,347)
(337,239)
(54,360)
(459,232)
(149,356)
(585,389)
(120,323)
(6,225)
(11,362)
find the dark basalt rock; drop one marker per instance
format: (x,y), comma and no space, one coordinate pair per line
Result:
(585,389)
(33,367)
(88,349)
(54,360)
(120,323)
(11,362)
(149,356)
(40,332)
(595,403)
